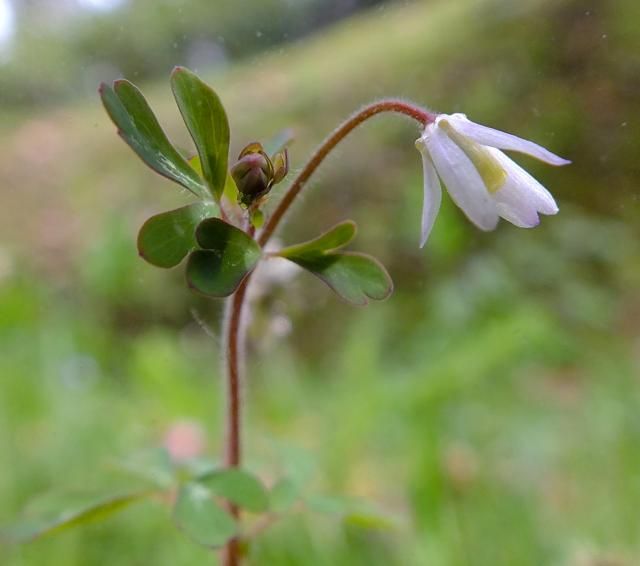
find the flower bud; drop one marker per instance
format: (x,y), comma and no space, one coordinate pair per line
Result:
(253,174)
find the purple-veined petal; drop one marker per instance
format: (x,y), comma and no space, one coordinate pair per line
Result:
(502,140)
(462,180)
(529,189)
(432,194)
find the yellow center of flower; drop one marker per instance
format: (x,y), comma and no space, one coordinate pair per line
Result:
(488,167)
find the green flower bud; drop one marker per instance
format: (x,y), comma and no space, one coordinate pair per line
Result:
(253,174)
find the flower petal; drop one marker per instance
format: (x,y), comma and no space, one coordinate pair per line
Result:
(462,180)
(529,189)
(514,209)
(502,140)
(432,194)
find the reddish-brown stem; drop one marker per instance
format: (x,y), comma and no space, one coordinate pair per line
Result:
(234,357)
(234,347)
(388,105)
(234,332)
(231,553)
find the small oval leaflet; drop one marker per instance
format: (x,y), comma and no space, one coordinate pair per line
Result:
(207,123)
(138,126)
(165,239)
(238,486)
(201,518)
(227,257)
(355,277)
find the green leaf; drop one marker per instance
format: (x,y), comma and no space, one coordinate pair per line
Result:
(328,504)
(371,521)
(195,468)
(207,122)
(152,465)
(69,512)
(257,218)
(283,495)
(231,189)
(165,239)
(201,518)
(239,487)
(355,277)
(352,511)
(229,255)
(335,238)
(138,126)
(298,465)
(195,163)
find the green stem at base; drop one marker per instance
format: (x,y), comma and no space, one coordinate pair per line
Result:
(233,325)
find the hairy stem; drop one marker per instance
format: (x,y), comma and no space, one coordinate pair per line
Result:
(387,105)
(234,348)
(233,327)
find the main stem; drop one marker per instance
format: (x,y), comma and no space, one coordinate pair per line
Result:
(233,326)
(234,347)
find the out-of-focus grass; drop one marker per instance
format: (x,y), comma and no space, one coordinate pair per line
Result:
(491,404)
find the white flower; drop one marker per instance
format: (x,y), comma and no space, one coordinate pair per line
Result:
(481,180)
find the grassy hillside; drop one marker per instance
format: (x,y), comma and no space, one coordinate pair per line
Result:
(491,404)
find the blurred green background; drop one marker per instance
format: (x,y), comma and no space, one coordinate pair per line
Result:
(491,405)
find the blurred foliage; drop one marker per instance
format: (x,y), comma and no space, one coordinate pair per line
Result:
(145,38)
(491,403)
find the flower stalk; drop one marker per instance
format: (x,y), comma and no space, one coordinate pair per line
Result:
(419,114)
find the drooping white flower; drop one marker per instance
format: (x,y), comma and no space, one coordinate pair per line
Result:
(481,179)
